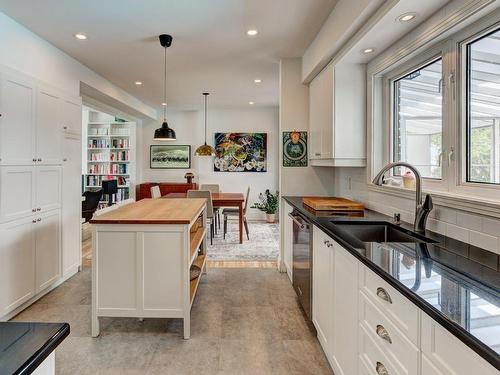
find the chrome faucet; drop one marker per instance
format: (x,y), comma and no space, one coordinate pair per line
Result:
(422,209)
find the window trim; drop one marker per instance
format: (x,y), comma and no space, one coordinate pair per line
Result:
(453,187)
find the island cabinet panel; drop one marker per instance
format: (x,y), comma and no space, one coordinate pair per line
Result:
(163,271)
(117,258)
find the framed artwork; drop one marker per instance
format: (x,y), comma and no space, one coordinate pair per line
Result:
(240,152)
(295,149)
(170,157)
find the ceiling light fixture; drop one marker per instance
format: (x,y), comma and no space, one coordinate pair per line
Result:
(251,103)
(368,50)
(205,150)
(163,103)
(252,32)
(165,133)
(138,83)
(405,17)
(80,36)
(257,80)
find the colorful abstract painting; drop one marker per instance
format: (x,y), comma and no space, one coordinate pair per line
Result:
(240,152)
(295,149)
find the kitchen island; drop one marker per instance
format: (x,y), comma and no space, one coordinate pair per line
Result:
(142,254)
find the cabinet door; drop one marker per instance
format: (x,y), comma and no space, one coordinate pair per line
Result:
(17,264)
(71,205)
(48,127)
(322,288)
(17,196)
(71,115)
(48,187)
(47,249)
(288,240)
(17,126)
(321,115)
(344,312)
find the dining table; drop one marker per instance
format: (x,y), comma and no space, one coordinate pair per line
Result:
(222,200)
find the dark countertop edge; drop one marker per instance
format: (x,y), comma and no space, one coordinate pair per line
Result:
(41,354)
(472,342)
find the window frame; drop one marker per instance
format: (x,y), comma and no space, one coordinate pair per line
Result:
(453,51)
(462,39)
(427,57)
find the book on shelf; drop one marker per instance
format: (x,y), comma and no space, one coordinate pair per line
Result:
(120,143)
(98,143)
(96,181)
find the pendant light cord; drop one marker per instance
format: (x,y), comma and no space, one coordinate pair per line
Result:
(206,119)
(165,87)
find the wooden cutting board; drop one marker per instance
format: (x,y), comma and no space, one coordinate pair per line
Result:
(332,204)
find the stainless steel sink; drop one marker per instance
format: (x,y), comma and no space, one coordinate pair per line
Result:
(379,232)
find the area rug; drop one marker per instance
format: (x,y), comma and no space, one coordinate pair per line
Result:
(263,243)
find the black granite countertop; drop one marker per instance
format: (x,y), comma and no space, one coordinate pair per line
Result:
(23,346)
(457,284)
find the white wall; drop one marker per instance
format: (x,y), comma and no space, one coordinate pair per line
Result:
(188,126)
(294,115)
(24,51)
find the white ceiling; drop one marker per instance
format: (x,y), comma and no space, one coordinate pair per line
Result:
(210,52)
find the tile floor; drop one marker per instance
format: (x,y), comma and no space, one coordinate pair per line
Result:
(244,321)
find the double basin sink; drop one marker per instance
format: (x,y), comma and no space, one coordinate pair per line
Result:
(379,231)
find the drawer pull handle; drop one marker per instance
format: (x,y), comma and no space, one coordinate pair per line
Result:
(382,293)
(382,332)
(381,370)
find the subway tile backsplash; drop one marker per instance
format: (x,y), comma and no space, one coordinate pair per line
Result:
(478,230)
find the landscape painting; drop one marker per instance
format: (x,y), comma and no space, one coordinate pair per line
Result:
(240,152)
(170,157)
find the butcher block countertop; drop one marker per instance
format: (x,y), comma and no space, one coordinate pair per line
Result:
(154,211)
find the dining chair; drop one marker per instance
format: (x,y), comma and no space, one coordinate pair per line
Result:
(155,192)
(235,212)
(210,208)
(213,188)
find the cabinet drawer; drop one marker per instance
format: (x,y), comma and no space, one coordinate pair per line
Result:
(449,355)
(371,356)
(389,338)
(393,304)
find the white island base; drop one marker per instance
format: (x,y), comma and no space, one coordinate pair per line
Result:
(143,270)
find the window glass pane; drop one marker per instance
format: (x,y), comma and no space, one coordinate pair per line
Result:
(418,120)
(483,109)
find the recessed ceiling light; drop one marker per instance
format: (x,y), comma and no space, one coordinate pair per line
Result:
(138,83)
(80,36)
(407,17)
(368,50)
(252,32)
(251,103)
(163,104)
(257,80)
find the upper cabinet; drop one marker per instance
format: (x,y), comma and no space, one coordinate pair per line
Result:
(337,103)
(31,121)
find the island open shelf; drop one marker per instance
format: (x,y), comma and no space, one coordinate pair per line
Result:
(141,259)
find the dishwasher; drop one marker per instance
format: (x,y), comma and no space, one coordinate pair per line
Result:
(302,260)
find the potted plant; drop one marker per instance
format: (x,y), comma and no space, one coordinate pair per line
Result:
(268,203)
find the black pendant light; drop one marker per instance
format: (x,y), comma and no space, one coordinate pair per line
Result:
(165,133)
(205,150)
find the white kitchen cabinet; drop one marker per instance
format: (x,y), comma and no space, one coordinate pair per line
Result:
(48,127)
(337,117)
(71,201)
(447,354)
(17,120)
(47,249)
(17,193)
(48,187)
(287,239)
(323,288)
(27,190)
(17,264)
(344,312)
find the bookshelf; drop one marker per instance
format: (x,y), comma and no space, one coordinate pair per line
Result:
(109,154)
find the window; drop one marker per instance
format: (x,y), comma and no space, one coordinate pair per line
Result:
(483,109)
(417,124)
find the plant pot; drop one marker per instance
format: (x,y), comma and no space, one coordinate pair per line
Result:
(270,218)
